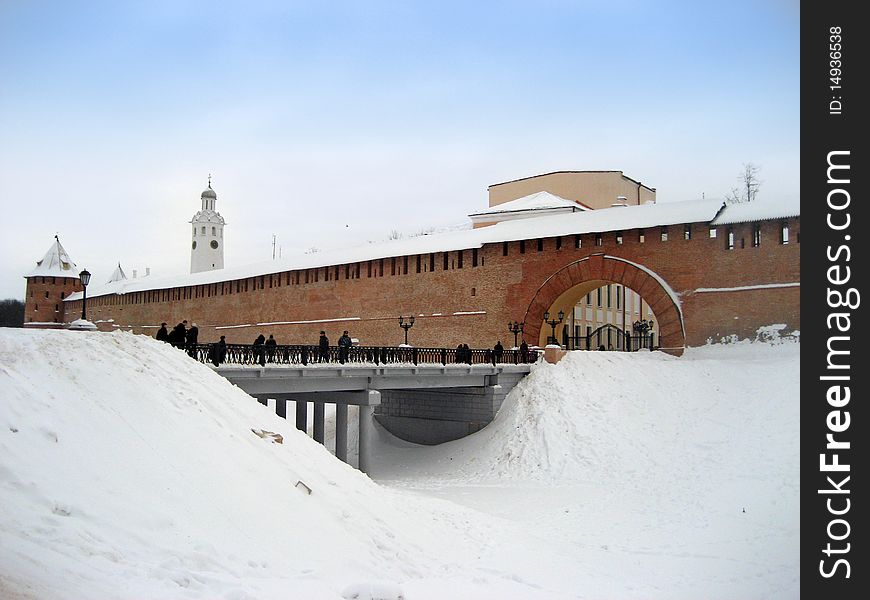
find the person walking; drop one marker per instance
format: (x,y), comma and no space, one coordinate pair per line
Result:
(178,335)
(259,350)
(271,346)
(524,352)
(344,344)
(323,345)
(191,339)
(162,333)
(222,350)
(498,351)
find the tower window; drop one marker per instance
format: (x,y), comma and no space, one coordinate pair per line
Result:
(687,232)
(599,239)
(756,236)
(783,233)
(203,230)
(712,233)
(619,238)
(504,249)
(729,244)
(641,238)
(540,245)
(474,257)
(664,234)
(214,230)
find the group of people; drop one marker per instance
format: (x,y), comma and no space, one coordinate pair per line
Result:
(180,337)
(265,349)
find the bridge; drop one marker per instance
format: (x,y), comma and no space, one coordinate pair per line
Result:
(422,395)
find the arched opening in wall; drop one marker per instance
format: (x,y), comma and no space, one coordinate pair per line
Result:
(636,286)
(599,314)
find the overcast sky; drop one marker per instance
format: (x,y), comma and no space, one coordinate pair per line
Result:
(337,122)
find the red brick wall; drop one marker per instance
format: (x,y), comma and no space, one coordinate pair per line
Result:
(43,302)
(500,289)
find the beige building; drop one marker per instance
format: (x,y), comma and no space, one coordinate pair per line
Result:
(592,189)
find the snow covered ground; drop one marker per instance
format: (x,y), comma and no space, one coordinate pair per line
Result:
(128,471)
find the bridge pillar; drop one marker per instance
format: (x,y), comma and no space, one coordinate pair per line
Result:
(302,415)
(319,422)
(281,408)
(367,429)
(341,432)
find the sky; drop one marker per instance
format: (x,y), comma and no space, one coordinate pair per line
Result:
(333,124)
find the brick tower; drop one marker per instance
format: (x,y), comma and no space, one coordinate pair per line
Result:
(54,278)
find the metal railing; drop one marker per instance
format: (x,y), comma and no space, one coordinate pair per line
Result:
(622,342)
(248,354)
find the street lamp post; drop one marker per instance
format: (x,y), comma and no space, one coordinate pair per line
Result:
(406,325)
(515,328)
(85,278)
(642,327)
(552,323)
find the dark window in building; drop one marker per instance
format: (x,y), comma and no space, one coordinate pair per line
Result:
(369,269)
(522,246)
(57,307)
(474,257)
(381,268)
(756,235)
(599,296)
(712,232)
(578,242)
(589,298)
(46,294)
(619,296)
(62,295)
(474,291)
(608,297)
(687,232)
(316,275)
(540,244)
(336,272)
(404,265)
(504,249)
(419,263)
(619,238)
(729,243)
(783,234)
(307,275)
(742,243)
(598,239)
(641,237)
(432,262)
(664,234)
(459,254)
(393,266)
(558,243)
(52,280)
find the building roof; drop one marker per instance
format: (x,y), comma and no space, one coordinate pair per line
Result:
(539,201)
(621,218)
(569,172)
(55,263)
(118,275)
(757,210)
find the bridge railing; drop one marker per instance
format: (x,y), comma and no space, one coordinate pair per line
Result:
(247,354)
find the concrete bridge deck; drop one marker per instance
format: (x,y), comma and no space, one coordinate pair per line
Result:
(424,403)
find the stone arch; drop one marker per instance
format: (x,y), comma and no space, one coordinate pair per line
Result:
(567,285)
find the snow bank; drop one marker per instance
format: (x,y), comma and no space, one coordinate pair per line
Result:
(129,471)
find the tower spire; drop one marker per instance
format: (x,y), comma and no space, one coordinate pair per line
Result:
(209,181)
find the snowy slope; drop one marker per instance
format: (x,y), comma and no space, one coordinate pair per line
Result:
(129,471)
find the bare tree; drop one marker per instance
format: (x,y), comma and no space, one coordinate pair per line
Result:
(749,184)
(11,313)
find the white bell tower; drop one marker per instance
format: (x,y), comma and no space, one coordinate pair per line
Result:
(207,235)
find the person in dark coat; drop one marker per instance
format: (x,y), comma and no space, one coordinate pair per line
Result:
(162,333)
(271,347)
(524,352)
(459,354)
(178,335)
(498,351)
(222,350)
(323,345)
(466,353)
(259,350)
(191,339)
(344,344)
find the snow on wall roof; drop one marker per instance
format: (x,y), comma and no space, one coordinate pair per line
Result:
(758,210)
(536,201)
(55,263)
(591,221)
